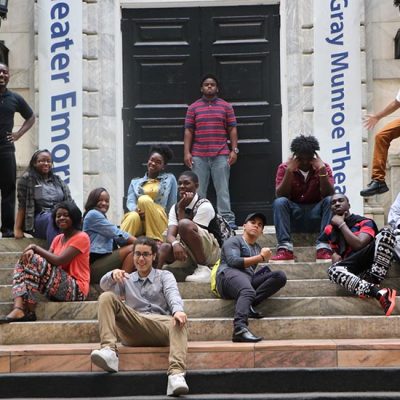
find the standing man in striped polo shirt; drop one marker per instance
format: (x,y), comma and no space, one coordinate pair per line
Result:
(210,122)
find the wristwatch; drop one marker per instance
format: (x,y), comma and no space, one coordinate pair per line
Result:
(235,150)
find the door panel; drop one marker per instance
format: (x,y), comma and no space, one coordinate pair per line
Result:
(167,51)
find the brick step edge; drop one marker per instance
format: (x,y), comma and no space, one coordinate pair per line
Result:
(320,353)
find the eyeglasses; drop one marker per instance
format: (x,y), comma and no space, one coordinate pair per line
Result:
(45,162)
(145,254)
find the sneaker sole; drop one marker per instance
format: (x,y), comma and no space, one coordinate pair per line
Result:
(101,363)
(292,261)
(179,391)
(392,299)
(381,191)
(208,280)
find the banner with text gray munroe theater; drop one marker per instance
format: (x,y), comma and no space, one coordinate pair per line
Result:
(60,88)
(337,93)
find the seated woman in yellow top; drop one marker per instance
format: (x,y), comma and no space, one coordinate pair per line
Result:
(151,197)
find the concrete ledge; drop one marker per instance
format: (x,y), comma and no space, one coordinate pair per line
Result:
(329,353)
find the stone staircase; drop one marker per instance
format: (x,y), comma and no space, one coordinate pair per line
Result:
(311,323)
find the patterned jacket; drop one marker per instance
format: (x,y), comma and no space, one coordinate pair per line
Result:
(26,196)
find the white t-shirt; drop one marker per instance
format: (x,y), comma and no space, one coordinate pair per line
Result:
(398,96)
(205,213)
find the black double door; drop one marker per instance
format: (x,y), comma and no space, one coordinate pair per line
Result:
(165,54)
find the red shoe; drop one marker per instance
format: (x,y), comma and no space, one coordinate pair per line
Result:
(283,255)
(324,255)
(388,300)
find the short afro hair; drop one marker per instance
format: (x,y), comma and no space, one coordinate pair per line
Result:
(190,174)
(304,145)
(209,76)
(73,210)
(165,151)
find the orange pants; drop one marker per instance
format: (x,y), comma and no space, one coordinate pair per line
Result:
(382,142)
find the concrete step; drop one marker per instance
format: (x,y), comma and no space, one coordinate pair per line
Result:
(293,271)
(205,329)
(327,353)
(293,288)
(218,308)
(268,239)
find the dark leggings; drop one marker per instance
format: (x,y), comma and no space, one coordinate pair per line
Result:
(248,290)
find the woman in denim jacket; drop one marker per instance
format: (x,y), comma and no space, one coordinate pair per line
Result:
(105,237)
(151,197)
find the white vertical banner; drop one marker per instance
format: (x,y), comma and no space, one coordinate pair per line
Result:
(60,89)
(337,93)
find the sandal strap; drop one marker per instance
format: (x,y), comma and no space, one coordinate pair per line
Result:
(19,308)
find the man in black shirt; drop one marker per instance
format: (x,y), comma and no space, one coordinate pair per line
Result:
(10,103)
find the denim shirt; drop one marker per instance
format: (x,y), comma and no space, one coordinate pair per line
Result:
(166,196)
(101,232)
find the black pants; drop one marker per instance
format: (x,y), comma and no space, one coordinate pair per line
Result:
(248,290)
(8,177)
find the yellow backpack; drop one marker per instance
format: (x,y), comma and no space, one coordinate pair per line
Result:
(214,278)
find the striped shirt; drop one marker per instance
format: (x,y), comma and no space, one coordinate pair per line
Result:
(209,120)
(363,226)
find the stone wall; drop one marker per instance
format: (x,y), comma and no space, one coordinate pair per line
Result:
(383,73)
(102,82)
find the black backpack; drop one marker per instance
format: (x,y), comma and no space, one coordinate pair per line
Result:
(218,226)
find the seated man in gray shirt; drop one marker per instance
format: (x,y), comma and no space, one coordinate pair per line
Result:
(152,314)
(239,278)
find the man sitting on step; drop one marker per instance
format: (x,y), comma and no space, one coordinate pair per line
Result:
(361,256)
(304,185)
(188,240)
(238,277)
(151,315)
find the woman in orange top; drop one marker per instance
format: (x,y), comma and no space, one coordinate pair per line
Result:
(62,273)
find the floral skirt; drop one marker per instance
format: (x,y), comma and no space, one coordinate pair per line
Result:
(39,276)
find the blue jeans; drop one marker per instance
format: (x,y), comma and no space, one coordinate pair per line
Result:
(219,169)
(44,227)
(294,217)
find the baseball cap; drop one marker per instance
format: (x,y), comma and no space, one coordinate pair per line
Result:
(256,214)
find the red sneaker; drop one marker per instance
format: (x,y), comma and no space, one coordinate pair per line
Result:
(283,255)
(388,300)
(324,255)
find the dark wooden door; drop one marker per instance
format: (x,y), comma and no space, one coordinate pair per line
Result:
(165,54)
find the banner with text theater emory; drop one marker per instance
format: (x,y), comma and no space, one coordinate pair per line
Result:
(337,93)
(60,89)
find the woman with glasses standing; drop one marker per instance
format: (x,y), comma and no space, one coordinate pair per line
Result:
(38,191)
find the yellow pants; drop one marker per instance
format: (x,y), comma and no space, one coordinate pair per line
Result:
(154,223)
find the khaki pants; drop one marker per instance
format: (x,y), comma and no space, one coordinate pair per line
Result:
(136,329)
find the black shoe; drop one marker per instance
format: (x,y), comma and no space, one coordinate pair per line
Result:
(244,335)
(8,233)
(255,314)
(374,187)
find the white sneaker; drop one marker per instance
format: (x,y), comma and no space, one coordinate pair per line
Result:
(201,274)
(177,385)
(105,358)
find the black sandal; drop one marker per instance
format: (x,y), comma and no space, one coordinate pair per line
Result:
(28,316)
